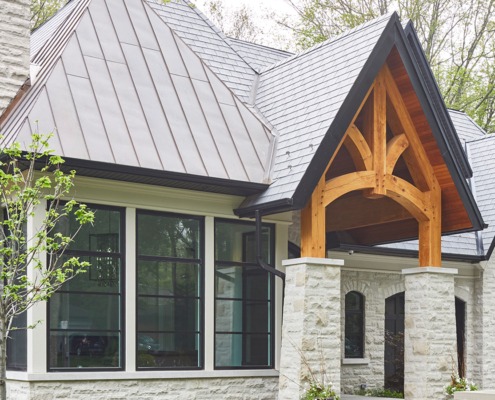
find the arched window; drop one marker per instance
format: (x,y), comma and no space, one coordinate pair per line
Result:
(354,325)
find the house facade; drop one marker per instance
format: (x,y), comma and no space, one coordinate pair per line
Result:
(251,205)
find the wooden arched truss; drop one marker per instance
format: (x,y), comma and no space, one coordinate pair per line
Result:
(375,158)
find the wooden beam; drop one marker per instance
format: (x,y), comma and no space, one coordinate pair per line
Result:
(313,224)
(409,196)
(358,149)
(336,187)
(430,233)
(395,147)
(418,163)
(353,212)
(379,134)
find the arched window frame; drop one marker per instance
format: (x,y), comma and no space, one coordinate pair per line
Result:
(354,326)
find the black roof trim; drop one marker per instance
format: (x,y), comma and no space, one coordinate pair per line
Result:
(162,178)
(387,251)
(439,133)
(393,35)
(272,207)
(341,122)
(435,95)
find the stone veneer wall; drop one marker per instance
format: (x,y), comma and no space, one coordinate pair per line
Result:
(485,308)
(14,48)
(146,389)
(376,287)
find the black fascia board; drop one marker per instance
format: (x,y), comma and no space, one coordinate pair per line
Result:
(161,178)
(439,134)
(407,253)
(437,99)
(346,113)
(272,207)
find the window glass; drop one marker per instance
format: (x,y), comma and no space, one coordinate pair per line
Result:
(354,325)
(85,315)
(243,297)
(17,344)
(169,288)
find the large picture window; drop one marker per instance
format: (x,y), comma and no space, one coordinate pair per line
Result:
(244,307)
(354,325)
(85,315)
(169,289)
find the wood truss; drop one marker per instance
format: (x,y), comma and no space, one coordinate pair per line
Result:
(375,159)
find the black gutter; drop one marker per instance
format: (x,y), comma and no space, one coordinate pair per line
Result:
(386,251)
(162,178)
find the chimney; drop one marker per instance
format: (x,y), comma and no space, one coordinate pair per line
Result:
(14,48)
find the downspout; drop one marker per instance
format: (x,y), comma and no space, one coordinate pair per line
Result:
(259,258)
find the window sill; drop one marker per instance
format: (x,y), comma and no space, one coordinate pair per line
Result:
(122,375)
(355,361)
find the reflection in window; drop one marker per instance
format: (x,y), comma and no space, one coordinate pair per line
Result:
(17,344)
(243,297)
(169,288)
(354,325)
(85,314)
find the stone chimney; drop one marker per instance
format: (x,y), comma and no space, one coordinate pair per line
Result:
(14,48)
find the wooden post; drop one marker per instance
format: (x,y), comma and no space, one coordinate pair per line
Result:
(313,226)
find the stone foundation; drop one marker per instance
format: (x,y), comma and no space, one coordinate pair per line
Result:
(146,389)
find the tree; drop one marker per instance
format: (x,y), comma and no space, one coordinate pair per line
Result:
(458,39)
(42,10)
(32,262)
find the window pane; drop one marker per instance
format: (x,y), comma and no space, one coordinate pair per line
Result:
(354,325)
(103,275)
(85,312)
(168,314)
(240,350)
(242,316)
(242,282)
(17,344)
(103,235)
(237,242)
(168,236)
(168,350)
(77,349)
(168,279)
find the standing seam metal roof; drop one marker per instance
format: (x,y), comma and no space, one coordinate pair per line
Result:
(117,85)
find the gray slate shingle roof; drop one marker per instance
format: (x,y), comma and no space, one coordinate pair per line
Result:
(258,56)
(117,85)
(301,96)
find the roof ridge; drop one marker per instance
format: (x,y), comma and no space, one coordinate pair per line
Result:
(259,45)
(329,41)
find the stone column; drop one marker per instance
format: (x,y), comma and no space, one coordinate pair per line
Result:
(311,327)
(430,332)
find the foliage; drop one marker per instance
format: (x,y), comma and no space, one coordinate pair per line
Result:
(319,391)
(380,392)
(33,265)
(459,385)
(457,37)
(42,10)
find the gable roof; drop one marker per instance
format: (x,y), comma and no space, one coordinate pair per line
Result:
(311,98)
(119,88)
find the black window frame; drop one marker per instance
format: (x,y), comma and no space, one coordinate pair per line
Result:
(272,333)
(201,264)
(361,314)
(122,294)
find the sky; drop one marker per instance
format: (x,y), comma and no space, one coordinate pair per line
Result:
(262,10)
